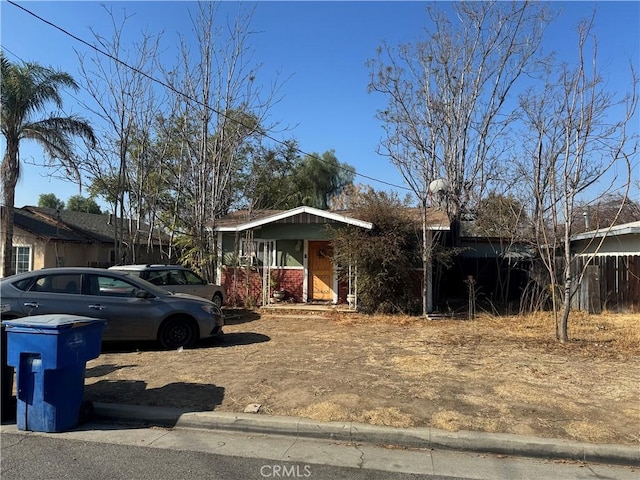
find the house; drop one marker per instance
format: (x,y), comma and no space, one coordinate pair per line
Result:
(606,269)
(291,251)
(45,237)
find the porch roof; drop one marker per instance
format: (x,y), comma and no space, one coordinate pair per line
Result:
(242,220)
(632,228)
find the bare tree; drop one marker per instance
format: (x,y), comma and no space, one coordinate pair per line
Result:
(605,210)
(123,98)
(221,107)
(576,133)
(447,112)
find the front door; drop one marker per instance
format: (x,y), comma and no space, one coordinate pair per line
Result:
(320,271)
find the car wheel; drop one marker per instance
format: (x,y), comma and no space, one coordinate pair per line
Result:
(217,299)
(177,332)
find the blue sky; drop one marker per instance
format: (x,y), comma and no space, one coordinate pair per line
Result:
(321,47)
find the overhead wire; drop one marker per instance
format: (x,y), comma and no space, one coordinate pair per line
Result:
(195,100)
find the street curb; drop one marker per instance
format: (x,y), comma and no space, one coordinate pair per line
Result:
(424,437)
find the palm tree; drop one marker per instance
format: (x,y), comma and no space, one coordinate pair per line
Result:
(27,90)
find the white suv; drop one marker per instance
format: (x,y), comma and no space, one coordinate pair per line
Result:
(175,278)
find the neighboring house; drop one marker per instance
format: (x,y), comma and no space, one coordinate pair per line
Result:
(611,279)
(45,237)
(289,251)
(490,269)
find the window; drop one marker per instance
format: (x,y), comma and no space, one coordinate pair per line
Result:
(176,277)
(66,283)
(111,287)
(258,253)
(156,277)
(193,279)
(21,259)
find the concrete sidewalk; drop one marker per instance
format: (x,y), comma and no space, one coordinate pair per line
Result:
(430,438)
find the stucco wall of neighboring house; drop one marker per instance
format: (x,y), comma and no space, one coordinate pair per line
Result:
(22,238)
(49,254)
(76,255)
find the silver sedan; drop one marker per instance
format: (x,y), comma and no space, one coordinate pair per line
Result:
(133,308)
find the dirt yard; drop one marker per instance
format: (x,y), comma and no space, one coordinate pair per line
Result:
(490,374)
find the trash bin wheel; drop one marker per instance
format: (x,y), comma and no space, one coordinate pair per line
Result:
(177,332)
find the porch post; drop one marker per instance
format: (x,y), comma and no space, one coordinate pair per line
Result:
(429,276)
(219,260)
(305,269)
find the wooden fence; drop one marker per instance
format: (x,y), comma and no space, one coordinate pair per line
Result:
(610,282)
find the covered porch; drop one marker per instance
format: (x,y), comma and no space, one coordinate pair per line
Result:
(284,258)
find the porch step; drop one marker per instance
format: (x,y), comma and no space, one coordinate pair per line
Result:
(307,307)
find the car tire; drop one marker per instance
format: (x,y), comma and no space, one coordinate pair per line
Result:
(217,299)
(177,332)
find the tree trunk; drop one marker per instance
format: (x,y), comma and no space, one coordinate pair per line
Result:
(9,171)
(425,263)
(563,333)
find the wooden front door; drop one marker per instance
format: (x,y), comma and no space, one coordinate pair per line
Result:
(320,271)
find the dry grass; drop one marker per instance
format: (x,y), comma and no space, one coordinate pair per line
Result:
(454,421)
(614,333)
(590,431)
(495,374)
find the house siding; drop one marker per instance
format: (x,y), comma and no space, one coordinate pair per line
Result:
(280,231)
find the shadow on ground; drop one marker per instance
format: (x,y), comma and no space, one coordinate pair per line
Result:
(102,370)
(197,397)
(236,316)
(234,340)
(226,340)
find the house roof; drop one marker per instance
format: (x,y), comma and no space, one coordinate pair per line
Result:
(46,228)
(93,226)
(67,225)
(244,220)
(437,218)
(632,228)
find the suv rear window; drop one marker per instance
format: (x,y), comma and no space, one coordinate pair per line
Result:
(167,276)
(158,277)
(133,273)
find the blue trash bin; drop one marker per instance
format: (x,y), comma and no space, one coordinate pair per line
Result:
(49,353)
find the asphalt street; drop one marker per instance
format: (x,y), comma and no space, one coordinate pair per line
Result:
(37,457)
(100,451)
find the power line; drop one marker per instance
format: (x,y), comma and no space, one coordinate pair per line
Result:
(196,101)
